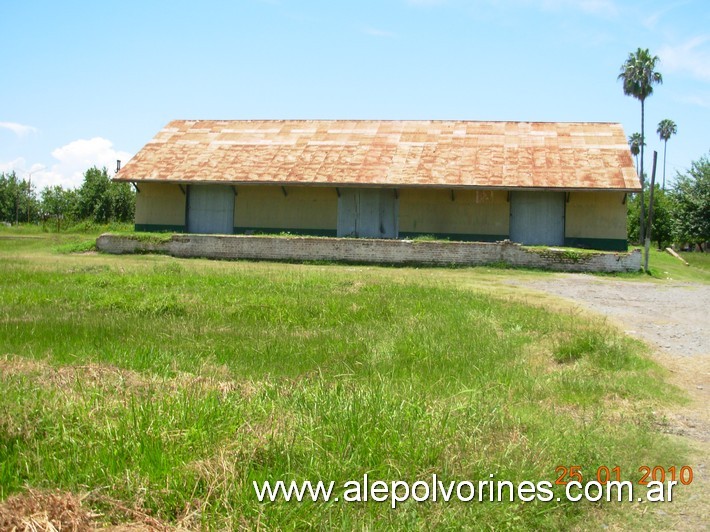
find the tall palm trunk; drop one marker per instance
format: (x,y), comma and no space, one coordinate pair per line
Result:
(665,145)
(642,210)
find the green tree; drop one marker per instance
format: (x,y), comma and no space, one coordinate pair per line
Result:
(30,206)
(123,201)
(691,198)
(93,196)
(635,147)
(9,197)
(18,202)
(666,128)
(638,74)
(661,229)
(663,206)
(103,201)
(632,218)
(59,203)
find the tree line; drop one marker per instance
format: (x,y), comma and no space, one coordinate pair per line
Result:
(681,214)
(98,199)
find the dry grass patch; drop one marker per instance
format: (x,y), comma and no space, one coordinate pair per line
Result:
(108,378)
(46,511)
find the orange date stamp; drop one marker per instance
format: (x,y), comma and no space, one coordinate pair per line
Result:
(604,474)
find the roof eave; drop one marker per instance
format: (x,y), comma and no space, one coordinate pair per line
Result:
(332,184)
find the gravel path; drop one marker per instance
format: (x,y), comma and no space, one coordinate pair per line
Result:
(674,319)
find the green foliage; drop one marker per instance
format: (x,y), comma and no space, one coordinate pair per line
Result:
(662,211)
(81,246)
(427,238)
(635,143)
(638,74)
(123,199)
(17,199)
(663,206)
(572,255)
(691,196)
(632,218)
(9,196)
(144,236)
(635,147)
(93,193)
(666,129)
(98,199)
(101,200)
(88,226)
(60,204)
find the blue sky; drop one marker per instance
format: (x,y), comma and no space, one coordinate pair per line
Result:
(89,82)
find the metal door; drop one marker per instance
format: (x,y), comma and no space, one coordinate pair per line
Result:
(368,213)
(210,209)
(537,218)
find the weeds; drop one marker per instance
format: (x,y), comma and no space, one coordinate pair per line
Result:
(77,247)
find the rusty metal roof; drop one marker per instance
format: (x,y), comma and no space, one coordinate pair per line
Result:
(390,153)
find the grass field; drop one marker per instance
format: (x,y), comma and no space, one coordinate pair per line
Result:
(162,388)
(664,266)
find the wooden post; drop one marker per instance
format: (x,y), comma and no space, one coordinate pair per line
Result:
(649,225)
(672,253)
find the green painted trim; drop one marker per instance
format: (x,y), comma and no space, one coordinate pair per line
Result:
(604,244)
(278,230)
(458,237)
(160,228)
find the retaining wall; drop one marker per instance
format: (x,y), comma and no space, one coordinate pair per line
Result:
(361,250)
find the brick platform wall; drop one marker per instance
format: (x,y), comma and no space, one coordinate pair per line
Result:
(358,250)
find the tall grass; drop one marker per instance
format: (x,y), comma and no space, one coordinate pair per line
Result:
(664,266)
(171,385)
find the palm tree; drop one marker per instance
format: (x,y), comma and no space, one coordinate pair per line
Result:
(666,128)
(635,146)
(639,76)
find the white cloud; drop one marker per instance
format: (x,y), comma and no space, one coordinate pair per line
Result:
(692,56)
(651,21)
(16,165)
(425,2)
(597,7)
(694,99)
(604,8)
(378,33)
(21,130)
(73,160)
(607,8)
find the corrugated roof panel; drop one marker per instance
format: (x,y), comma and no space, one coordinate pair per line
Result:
(388,153)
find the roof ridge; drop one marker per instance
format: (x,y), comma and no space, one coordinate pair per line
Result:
(429,120)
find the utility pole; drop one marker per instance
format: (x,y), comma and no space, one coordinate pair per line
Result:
(29,189)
